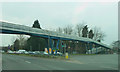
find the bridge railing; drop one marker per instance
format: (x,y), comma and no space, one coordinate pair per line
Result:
(31,30)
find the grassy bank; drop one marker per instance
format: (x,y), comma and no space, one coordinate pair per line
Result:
(41,56)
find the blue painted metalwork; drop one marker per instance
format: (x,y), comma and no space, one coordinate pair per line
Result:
(45,36)
(50,42)
(21,29)
(19,32)
(47,46)
(52,46)
(100,45)
(61,45)
(87,47)
(57,46)
(91,47)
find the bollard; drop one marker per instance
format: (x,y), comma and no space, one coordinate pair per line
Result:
(66,55)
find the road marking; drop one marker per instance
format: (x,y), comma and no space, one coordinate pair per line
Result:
(27,61)
(75,61)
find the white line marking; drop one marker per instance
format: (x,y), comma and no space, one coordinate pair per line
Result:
(27,61)
(75,61)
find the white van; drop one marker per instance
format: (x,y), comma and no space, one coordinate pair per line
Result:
(21,51)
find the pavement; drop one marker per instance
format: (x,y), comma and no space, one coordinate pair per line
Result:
(76,62)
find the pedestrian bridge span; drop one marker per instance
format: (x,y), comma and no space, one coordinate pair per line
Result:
(12,28)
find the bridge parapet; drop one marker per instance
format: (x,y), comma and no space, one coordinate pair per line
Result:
(44,33)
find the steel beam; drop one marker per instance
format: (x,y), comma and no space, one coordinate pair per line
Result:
(57,46)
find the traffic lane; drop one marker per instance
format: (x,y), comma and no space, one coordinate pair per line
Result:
(110,58)
(103,60)
(12,63)
(48,64)
(32,60)
(35,63)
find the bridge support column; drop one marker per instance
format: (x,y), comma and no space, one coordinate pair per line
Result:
(90,47)
(73,47)
(57,46)
(61,48)
(87,48)
(47,45)
(51,45)
(96,49)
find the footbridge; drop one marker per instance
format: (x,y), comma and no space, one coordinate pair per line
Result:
(11,28)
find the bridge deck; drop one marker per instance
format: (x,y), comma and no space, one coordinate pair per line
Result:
(11,28)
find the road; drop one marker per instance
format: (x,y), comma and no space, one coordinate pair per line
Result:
(76,62)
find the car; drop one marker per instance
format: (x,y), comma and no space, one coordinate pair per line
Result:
(21,51)
(45,53)
(10,52)
(18,52)
(41,52)
(59,53)
(26,52)
(30,52)
(36,52)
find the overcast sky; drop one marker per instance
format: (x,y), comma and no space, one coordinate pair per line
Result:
(51,15)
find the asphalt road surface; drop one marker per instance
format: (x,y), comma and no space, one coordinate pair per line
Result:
(76,62)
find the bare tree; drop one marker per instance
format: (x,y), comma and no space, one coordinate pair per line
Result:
(13,40)
(22,41)
(101,36)
(98,34)
(68,30)
(79,28)
(60,30)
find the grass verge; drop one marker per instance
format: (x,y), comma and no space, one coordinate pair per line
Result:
(41,56)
